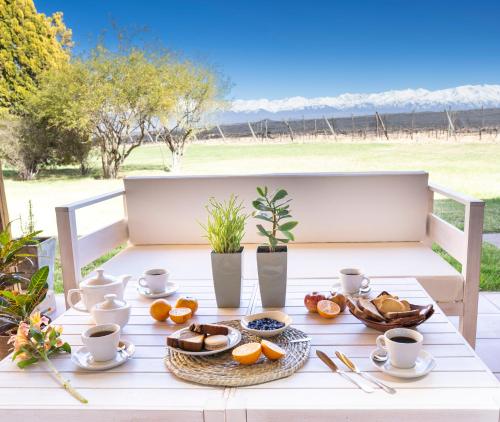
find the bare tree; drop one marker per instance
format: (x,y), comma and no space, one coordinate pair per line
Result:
(195,92)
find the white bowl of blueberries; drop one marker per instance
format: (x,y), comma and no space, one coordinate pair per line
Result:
(266,324)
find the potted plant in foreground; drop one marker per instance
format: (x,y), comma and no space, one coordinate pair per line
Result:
(225,229)
(273,208)
(13,284)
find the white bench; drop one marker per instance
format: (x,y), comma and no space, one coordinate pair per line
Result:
(381,222)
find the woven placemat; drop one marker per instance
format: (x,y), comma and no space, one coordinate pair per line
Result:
(221,370)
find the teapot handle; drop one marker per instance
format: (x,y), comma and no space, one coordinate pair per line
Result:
(71,292)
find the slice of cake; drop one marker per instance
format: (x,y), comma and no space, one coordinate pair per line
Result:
(187,340)
(209,329)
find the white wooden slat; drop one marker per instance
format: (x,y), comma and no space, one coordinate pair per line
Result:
(95,244)
(451,239)
(98,380)
(314,364)
(433,380)
(458,364)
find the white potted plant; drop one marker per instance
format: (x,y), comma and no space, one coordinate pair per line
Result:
(273,208)
(41,252)
(225,229)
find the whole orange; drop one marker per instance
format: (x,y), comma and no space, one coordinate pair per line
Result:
(160,309)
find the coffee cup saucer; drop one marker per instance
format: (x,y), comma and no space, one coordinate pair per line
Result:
(83,359)
(363,292)
(425,363)
(170,289)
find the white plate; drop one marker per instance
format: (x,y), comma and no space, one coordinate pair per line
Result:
(425,363)
(277,315)
(170,289)
(234,338)
(83,359)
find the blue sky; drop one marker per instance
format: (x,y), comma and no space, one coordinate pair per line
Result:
(276,49)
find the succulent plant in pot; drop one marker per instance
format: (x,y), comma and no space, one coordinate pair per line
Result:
(274,209)
(225,229)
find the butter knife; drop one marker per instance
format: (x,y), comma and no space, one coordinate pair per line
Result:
(328,362)
(350,364)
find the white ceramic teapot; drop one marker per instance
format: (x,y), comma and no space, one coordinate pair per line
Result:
(92,290)
(111,311)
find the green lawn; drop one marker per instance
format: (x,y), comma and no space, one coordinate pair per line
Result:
(469,168)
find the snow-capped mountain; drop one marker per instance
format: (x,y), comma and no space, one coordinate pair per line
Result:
(407,100)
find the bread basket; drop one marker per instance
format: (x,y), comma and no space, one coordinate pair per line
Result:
(423,314)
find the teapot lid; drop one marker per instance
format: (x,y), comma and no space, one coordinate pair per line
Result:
(111,302)
(100,279)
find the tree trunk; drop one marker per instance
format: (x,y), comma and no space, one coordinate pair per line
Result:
(176,161)
(4,213)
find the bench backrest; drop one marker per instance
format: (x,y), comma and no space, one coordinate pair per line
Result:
(330,207)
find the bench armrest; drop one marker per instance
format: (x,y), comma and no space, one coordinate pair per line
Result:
(465,246)
(77,251)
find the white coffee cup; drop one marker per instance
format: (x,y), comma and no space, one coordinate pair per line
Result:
(155,280)
(103,347)
(401,354)
(352,280)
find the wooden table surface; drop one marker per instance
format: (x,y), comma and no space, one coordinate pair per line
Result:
(461,388)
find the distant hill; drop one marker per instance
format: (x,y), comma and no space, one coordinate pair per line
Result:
(397,101)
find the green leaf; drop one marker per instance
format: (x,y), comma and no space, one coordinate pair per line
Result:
(263,231)
(260,206)
(286,227)
(65,348)
(27,362)
(260,191)
(279,195)
(288,235)
(263,217)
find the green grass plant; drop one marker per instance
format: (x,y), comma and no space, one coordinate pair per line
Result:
(225,226)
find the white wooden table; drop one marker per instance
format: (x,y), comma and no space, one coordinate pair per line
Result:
(460,388)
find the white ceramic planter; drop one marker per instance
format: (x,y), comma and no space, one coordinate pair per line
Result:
(226,272)
(272,269)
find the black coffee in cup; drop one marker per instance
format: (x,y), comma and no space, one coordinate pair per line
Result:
(402,339)
(101,333)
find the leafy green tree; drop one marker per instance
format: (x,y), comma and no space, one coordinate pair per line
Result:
(112,98)
(30,43)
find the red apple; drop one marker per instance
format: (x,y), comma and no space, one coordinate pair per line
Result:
(311,301)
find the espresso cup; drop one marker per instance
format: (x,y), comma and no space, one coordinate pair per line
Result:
(155,280)
(102,341)
(403,346)
(352,280)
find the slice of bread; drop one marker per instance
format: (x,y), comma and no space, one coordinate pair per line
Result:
(370,309)
(209,329)
(402,314)
(187,340)
(391,305)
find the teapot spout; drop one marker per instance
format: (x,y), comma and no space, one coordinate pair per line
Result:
(125,279)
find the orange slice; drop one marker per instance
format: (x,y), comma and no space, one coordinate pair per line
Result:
(247,354)
(180,315)
(328,309)
(160,309)
(272,351)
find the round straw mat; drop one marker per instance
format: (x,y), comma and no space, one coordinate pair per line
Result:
(221,370)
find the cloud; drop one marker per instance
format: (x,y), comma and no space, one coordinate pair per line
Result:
(468,96)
